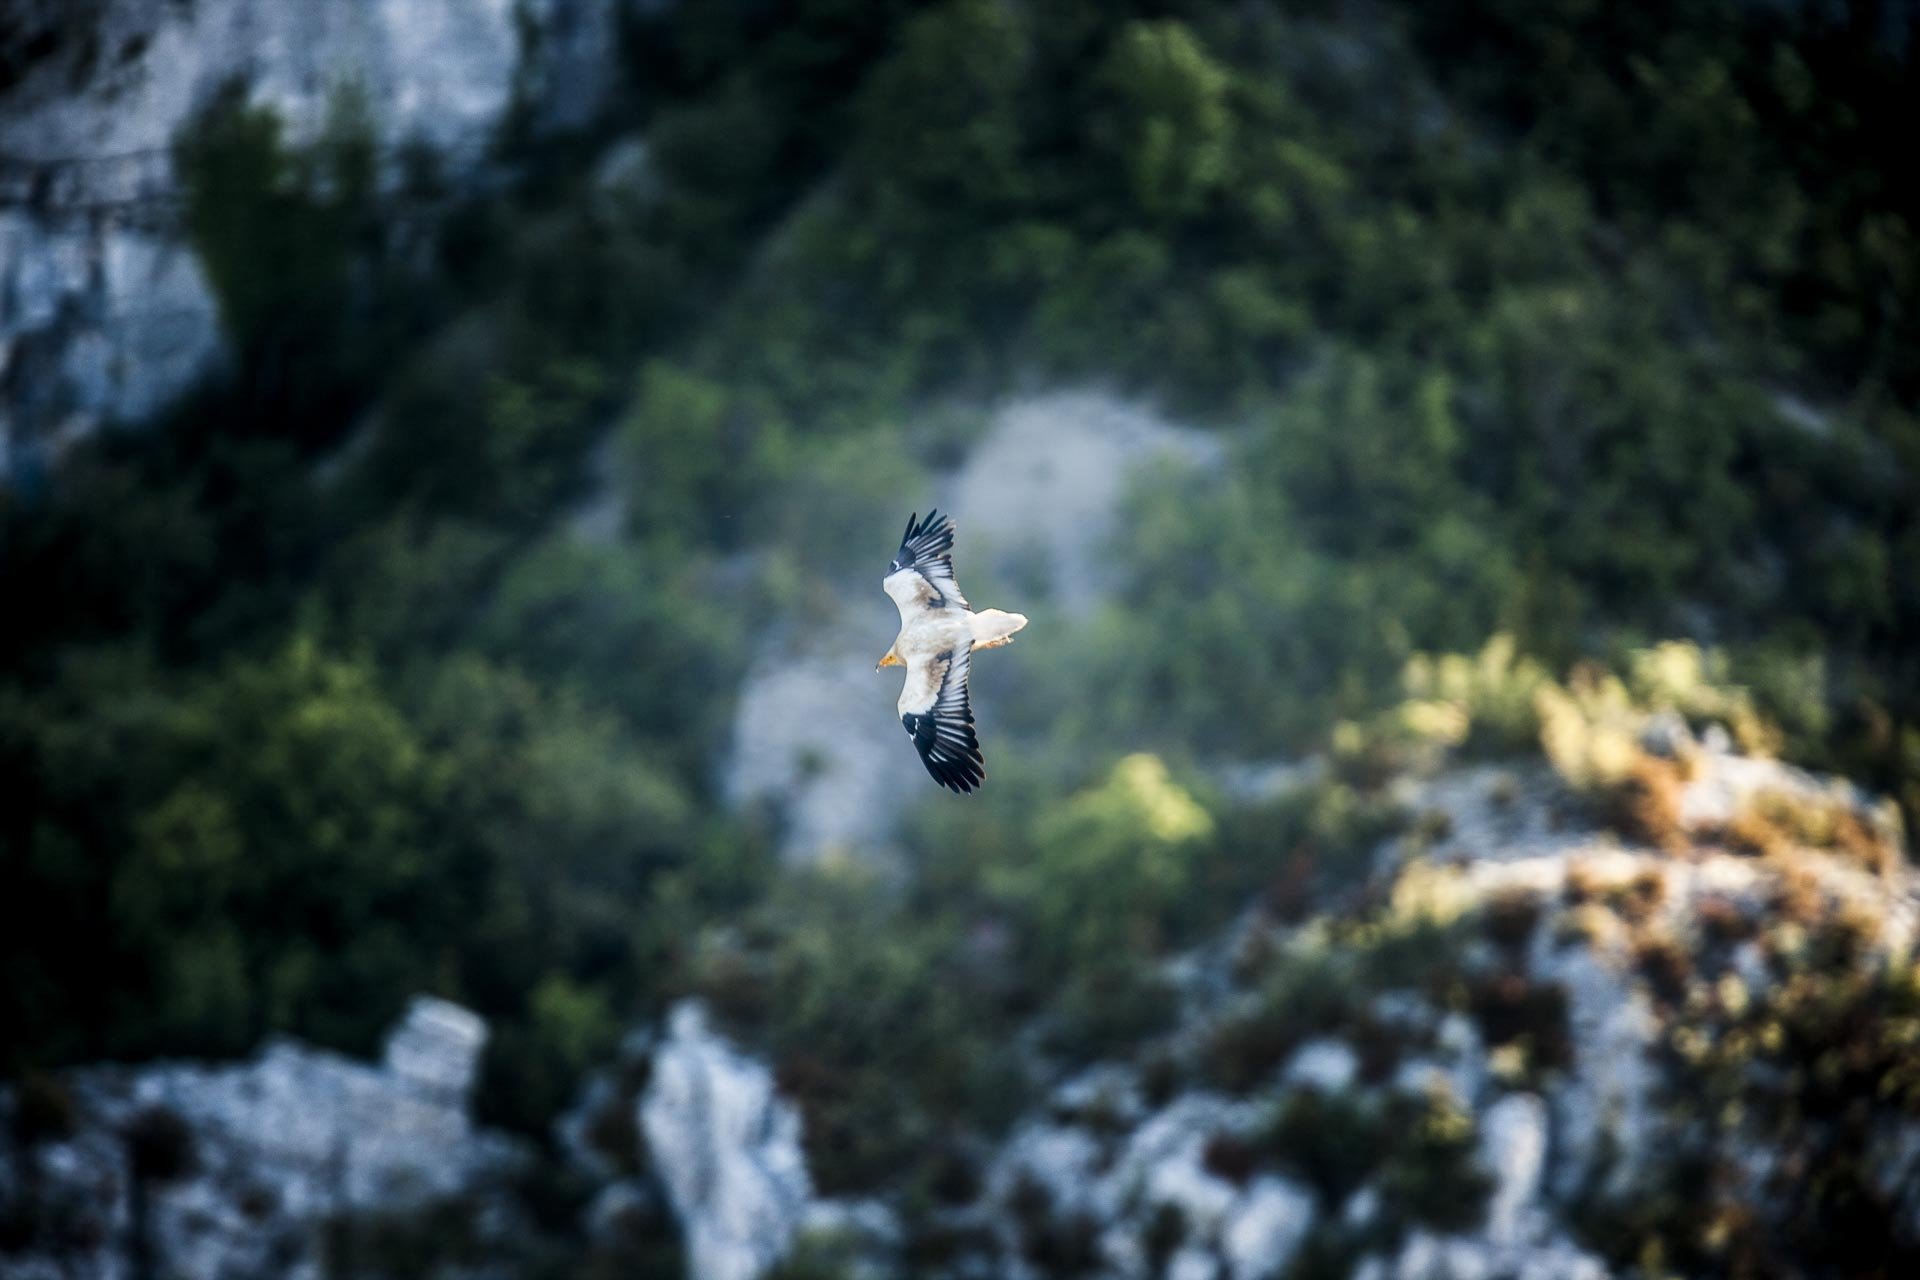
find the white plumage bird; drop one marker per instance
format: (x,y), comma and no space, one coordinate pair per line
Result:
(939,633)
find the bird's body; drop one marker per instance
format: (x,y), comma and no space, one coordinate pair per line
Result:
(939,633)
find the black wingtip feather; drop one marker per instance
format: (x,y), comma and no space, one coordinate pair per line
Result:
(948,748)
(927,538)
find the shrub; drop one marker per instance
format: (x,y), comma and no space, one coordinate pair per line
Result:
(1432,1176)
(1332,1142)
(1107,869)
(1530,1016)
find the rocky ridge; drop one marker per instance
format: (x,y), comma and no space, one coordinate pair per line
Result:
(243,1169)
(1540,1009)
(1588,1006)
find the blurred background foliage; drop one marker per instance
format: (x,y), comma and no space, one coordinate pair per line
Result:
(1585,325)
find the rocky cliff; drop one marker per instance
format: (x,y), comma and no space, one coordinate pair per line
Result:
(104,312)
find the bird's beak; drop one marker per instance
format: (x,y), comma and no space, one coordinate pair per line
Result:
(888,661)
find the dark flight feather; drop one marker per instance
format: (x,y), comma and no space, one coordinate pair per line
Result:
(943,734)
(926,548)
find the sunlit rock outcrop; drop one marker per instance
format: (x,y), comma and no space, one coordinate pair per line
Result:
(1541,1010)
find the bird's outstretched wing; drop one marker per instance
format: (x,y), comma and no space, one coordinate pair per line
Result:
(927,549)
(938,717)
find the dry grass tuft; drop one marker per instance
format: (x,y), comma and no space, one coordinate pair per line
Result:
(1644,805)
(1775,823)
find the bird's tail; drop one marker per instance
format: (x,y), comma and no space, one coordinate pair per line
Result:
(995,627)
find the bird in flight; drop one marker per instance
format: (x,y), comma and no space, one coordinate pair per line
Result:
(939,633)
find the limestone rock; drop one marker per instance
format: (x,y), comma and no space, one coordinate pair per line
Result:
(436,1048)
(1513,1147)
(271,1148)
(1326,1065)
(727,1149)
(105,315)
(1266,1228)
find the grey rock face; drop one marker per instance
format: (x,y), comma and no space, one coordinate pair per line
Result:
(1120,1180)
(439,70)
(1044,489)
(1513,1146)
(98,321)
(1327,1065)
(727,1149)
(273,1149)
(1266,1228)
(104,314)
(437,1048)
(1607,1101)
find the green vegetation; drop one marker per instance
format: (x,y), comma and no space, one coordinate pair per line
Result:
(1545,322)
(1420,1150)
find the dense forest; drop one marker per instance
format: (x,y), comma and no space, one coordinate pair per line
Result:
(1583,326)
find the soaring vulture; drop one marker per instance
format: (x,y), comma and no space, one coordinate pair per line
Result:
(939,633)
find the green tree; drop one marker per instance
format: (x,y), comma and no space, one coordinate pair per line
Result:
(1169,125)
